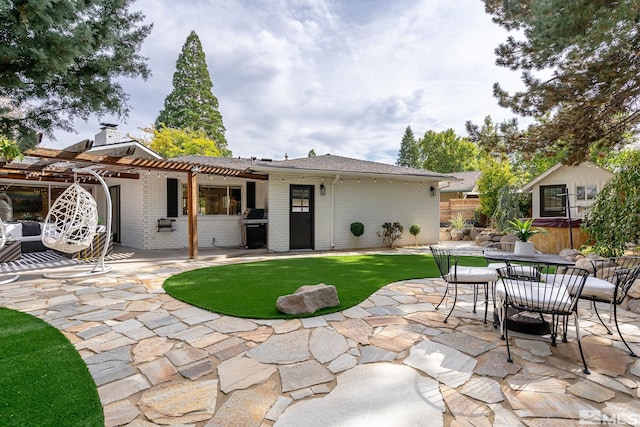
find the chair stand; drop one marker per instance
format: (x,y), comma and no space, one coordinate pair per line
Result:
(9,280)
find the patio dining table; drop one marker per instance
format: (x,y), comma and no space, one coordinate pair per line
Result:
(516,320)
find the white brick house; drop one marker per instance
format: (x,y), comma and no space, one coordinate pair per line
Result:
(331,192)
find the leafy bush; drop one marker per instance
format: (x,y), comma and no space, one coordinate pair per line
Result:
(614,219)
(390,233)
(357,229)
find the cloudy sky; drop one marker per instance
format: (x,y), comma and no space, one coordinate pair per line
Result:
(344,77)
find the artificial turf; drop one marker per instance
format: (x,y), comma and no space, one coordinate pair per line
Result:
(43,380)
(250,290)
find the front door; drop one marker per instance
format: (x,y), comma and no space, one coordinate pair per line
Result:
(301,217)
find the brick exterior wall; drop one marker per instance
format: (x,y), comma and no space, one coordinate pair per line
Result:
(349,200)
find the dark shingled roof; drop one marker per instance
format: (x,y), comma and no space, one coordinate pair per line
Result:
(338,164)
(466,185)
(325,163)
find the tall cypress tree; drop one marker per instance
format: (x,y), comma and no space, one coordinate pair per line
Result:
(409,153)
(192,105)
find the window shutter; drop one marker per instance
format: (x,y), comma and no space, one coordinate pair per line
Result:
(172,197)
(251,194)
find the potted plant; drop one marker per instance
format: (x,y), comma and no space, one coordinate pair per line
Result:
(523,231)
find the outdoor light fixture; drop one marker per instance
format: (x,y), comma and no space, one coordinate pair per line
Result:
(432,191)
(323,189)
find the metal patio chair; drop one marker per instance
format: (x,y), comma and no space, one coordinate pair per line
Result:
(555,295)
(454,275)
(612,280)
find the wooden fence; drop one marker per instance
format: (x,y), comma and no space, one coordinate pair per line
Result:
(452,207)
(555,239)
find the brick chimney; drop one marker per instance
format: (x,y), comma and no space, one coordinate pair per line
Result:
(109,134)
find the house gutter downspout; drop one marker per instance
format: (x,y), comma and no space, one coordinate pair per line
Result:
(332,209)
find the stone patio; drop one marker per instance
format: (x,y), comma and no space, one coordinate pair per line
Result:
(388,361)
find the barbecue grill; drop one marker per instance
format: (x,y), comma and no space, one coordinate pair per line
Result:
(253,227)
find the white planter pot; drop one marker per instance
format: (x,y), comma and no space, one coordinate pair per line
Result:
(523,248)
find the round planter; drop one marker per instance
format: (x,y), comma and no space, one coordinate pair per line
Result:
(523,248)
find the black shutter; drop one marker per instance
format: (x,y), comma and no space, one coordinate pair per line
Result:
(172,197)
(251,195)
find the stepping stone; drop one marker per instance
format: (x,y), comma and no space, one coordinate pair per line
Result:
(304,374)
(395,338)
(246,408)
(326,345)
(588,390)
(370,395)
(447,365)
(283,349)
(181,403)
(150,349)
(240,373)
(483,389)
(531,404)
(496,365)
(462,406)
(356,329)
(465,343)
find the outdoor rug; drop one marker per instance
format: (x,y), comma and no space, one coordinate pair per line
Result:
(36,260)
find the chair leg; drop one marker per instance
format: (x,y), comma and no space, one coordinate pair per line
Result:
(615,318)
(595,308)
(584,361)
(444,295)
(475,297)
(455,299)
(506,334)
(486,301)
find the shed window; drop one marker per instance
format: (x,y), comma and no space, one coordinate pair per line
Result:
(553,200)
(586,192)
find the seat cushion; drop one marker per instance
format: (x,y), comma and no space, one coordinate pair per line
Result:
(598,289)
(534,295)
(30,229)
(472,275)
(594,288)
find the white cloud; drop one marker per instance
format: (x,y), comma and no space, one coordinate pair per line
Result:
(345,77)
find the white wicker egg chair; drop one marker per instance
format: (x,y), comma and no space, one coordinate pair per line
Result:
(72,223)
(3,240)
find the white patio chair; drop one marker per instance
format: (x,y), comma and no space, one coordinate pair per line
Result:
(454,275)
(556,295)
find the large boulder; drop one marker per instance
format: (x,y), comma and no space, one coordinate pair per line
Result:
(308,299)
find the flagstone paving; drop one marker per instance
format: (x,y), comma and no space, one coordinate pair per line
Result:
(388,361)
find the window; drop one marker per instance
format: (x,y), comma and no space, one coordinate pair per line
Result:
(553,200)
(215,200)
(586,192)
(300,200)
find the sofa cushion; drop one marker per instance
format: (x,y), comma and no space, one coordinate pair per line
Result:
(31,229)
(14,230)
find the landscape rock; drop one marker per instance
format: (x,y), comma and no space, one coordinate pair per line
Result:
(308,299)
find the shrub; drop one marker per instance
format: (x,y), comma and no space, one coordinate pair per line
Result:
(457,221)
(357,229)
(390,233)
(415,230)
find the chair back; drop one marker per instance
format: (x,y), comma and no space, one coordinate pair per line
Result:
(443,261)
(555,292)
(621,271)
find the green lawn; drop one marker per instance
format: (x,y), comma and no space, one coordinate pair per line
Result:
(43,380)
(250,290)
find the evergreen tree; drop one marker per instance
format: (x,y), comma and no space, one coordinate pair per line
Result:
(191,105)
(580,64)
(60,60)
(409,152)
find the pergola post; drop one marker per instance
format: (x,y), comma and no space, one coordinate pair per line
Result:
(192,212)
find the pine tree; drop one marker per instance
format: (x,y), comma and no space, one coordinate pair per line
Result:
(409,152)
(61,60)
(191,105)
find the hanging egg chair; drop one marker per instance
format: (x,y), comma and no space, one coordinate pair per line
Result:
(71,222)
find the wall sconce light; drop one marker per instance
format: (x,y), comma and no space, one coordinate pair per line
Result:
(323,189)
(432,191)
